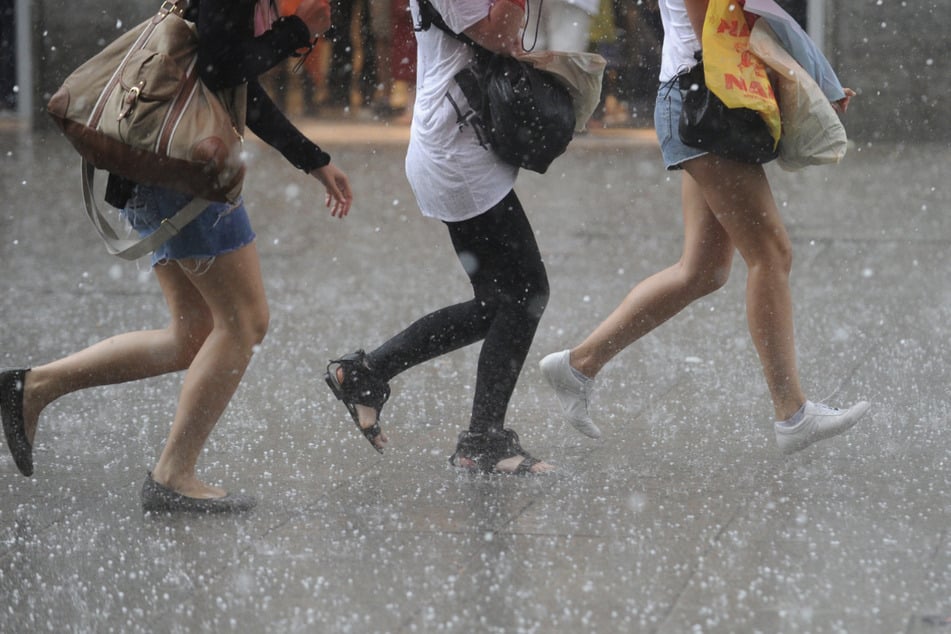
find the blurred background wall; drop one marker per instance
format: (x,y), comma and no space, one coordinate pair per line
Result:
(893,53)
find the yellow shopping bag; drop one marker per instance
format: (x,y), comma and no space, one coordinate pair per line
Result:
(731,71)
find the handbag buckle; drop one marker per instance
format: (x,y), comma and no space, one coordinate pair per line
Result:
(131,98)
(171,6)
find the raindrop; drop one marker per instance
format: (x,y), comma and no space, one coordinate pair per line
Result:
(637,502)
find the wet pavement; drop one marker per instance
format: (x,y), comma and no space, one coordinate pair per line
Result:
(683,518)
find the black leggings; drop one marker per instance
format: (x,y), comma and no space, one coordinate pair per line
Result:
(497,249)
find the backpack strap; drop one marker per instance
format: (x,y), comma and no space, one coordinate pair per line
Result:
(428,17)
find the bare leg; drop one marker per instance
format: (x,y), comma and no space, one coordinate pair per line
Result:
(234,293)
(740,197)
(216,320)
(717,218)
(704,267)
(127,357)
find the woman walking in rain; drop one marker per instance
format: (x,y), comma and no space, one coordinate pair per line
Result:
(458,179)
(209,273)
(718,220)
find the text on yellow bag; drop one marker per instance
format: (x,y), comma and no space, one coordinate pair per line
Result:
(731,71)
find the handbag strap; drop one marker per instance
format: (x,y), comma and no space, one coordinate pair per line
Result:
(127,248)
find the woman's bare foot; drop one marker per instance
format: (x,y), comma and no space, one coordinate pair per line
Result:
(496,451)
(506,465)
(509,465)
(367,415)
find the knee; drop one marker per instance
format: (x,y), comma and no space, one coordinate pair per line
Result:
(533,298)
(256,325)
(537,300)
(784,257)
(774,257)
(705,280)
(248,327)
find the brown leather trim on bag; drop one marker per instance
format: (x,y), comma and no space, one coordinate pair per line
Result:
(178,107)
(140,165)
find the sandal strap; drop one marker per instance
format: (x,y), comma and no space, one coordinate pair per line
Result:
(490,448)
(360,385)
(372,431)
(525,466)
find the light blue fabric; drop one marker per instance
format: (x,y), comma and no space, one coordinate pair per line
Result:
(798,44)
(667,109)
(221,228)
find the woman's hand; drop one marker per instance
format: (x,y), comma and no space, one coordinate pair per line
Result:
(315,14)
(843,104)
(339,196)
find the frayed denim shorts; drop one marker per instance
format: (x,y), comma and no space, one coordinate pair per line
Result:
(666,119)
(220,228)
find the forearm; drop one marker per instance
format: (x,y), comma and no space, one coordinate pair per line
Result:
(267,121)
(500,31)
(696,11)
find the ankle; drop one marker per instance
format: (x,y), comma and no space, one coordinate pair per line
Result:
(795,418)
(583,366)
(175,478)
(791,412)
(34,403)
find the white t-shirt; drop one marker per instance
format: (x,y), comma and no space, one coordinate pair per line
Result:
(453,172)
(680,42)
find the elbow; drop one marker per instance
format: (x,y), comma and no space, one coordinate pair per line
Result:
(509,47)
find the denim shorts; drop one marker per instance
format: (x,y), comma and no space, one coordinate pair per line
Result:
(220,228)
(666,118)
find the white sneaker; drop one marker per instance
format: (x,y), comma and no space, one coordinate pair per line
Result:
(819,422)
(573,393)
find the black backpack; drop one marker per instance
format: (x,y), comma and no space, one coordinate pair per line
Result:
(526,113)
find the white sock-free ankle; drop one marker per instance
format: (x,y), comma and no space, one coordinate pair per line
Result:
(578,375)
(793,420)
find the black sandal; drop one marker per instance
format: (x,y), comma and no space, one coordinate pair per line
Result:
(489,449)
(360,387)
(11,410)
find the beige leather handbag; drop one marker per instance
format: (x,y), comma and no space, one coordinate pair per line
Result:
(138,109)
